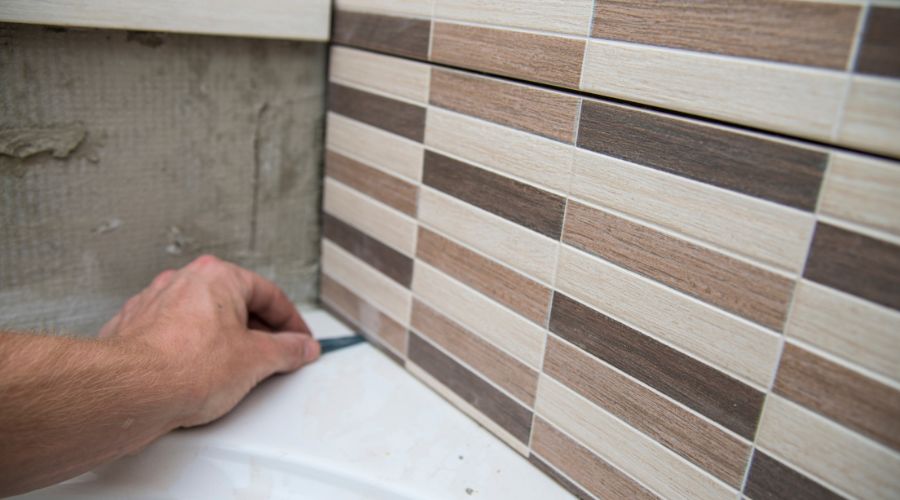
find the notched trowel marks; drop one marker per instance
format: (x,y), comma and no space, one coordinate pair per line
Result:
(58,140)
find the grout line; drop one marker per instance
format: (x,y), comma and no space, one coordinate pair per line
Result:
(376,91)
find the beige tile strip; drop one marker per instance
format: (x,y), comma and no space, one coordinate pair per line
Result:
(746,226)
(732,345)
(785,98)
(828,451)
(354,274)
(374,146)
(417,8)
(512,244)
(846,326)
(379,221)
(357,309)
(863,190)
(561,16)
(542,161)
(492,321)
(635,453)
(872,115)
(390,75)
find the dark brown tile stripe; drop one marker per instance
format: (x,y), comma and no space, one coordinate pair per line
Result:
(881,43)
(856,264)
(808,33)
(743,289)
(542,112)
(840,394)
(772,480)
(384,187)
(393,35)
(521,203)
(592,472)
(766,169)
(692,437)
(504,370)
(541,58)
(390,262)
(726,400)
(503,410)
(361,314)
(571,487)
(389,114)
(373,340)
(514,290)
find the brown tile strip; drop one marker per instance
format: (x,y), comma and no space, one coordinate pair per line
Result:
(881,43)
(541,58)
(720,397)
(571,487)
(503,410)
(521,203)
(758,167)
(808,33)
(743,289)
(543,112)
(375,341)
(592,472)
(363,315)
(394,116)
(692,437)
(386,188)
(393,35)
(519,293)
(856,264)
(841,394)
(390,262)
(772,480)
(504,370)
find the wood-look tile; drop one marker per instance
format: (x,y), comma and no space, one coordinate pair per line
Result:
(532,109)
(504,370)
(374,146)
(364,315)
(515,201)
(807,33)
(560,16)
(872,115)
(640,456)
(553,474)
(386,188)
(856,264)
(540,58)
(390,262)
(393,35)
(863,190)
(758,230)
(841,394)
(374,340)
(379,221)
(542,161)
(767,95)
(511,244)
(499,407)
(417,8)
(597,475)
(697,385)
(846,326)
(771,479)
(512,289)
(387,74)
(881,43)
(733,285)
(683,432)
(401,118)
(365,281)
(748,164)
(500,326)
(734,346)
(828,452)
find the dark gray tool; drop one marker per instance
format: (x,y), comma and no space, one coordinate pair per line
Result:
(333,344)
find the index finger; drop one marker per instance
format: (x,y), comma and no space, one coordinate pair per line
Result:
(269,303)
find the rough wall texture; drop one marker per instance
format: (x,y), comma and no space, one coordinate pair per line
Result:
(124,154)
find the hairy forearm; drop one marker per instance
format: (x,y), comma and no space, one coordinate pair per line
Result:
(68,405)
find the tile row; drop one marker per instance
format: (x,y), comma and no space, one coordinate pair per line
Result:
(777,65)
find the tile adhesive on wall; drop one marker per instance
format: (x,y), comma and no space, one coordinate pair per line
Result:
(651,245)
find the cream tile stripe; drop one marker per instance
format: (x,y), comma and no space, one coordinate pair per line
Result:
(374,146)
(395,77)
(374,218)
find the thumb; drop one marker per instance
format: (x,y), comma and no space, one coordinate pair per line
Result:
(286,351)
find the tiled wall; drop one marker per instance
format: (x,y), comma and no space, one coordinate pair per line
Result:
(641,302)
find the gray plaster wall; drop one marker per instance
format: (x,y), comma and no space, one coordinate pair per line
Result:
(123,154)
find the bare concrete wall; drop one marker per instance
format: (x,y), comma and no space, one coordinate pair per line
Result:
(124,154)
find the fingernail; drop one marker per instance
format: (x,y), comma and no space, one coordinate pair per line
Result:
(311,350)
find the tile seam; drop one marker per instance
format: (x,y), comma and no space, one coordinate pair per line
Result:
(556,469)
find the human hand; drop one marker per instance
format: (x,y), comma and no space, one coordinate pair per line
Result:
(219,329)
